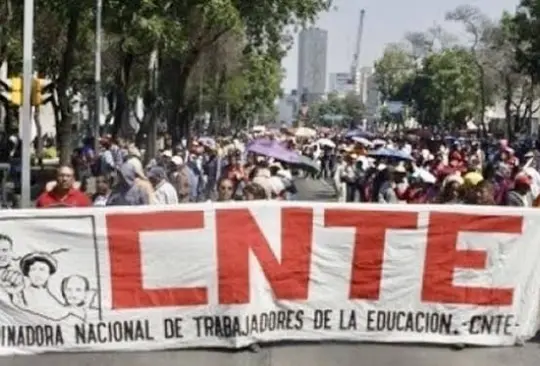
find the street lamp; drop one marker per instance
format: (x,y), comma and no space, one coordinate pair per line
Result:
(97,78)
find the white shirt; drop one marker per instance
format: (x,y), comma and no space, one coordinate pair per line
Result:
(166,194)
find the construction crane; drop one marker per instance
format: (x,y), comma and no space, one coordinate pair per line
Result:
(355,67)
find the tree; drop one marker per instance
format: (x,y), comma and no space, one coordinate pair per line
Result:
(520,32)
(353,108)
(434,39)
(263,24)
(476,24)
(342,110)
(393,71)
(447,87)
(244,81)
(515,88)
(6,29)
(254,90)
(527,22)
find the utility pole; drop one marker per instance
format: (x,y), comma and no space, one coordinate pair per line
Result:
(3,76)
(97,77)
(26,110)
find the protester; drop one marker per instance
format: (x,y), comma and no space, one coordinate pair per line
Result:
(253,192)
(181,178)
(521,194)
(165,194)
(225,190)
(63,193)
(394,167)
(126,191)
(103,190)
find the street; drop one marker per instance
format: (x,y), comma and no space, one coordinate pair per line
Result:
(317,354)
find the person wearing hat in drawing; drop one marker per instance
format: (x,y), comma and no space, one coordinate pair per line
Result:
(36,297)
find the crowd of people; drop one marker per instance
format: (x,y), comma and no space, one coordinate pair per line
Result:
(362,167)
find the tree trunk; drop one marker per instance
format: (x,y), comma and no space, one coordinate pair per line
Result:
(39,136)
(483,100)
(121,107)
(5,30)
(508,108)
(180,114)
(63,124)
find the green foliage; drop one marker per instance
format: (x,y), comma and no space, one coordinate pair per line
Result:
(393,72)
(255,88)
(183,32)
(446,87)
(525,24)
(337,110)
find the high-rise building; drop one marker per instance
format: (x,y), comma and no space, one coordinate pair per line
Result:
(312,50)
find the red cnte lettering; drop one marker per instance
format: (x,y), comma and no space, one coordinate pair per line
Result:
(238,234)
(370,235)
(125,256)
(442,257)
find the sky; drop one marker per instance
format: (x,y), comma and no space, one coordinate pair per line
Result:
(386,21)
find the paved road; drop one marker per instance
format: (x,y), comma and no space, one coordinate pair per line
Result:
(300,355)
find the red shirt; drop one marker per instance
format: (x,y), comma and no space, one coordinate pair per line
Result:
(73,198)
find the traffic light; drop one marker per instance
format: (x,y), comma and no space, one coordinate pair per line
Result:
(41,91)
(13,91)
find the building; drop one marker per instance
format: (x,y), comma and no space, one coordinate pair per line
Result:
(288,108)
(368,91)
(365,74)
(340,83)
(312,52)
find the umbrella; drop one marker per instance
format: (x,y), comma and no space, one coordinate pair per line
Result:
(385,152)
(326,142)
(273,149)
(362,141)
(404,155)
(306,163)
(359,133)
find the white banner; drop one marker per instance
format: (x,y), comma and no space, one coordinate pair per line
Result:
(211,275)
